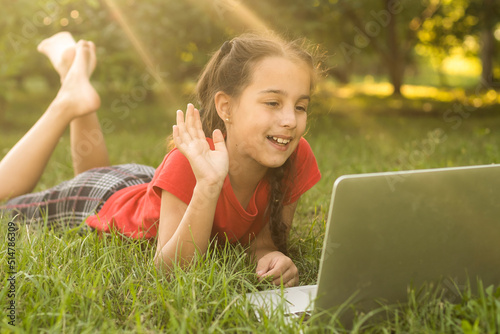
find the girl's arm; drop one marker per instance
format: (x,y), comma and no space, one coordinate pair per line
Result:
(271,263)
(185,229)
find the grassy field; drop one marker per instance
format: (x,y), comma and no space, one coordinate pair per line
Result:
(67,282)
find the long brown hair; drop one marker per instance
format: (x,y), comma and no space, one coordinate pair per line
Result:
(230,70)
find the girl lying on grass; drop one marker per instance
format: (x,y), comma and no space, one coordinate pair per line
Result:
(238,168)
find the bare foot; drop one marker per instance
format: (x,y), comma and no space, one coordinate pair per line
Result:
(60,49)
(77,95)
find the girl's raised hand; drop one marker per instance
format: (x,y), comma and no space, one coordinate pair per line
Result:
(209,167)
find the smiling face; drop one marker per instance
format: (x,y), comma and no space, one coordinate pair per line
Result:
(268,119)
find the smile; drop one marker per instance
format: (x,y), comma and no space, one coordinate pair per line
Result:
(279,141)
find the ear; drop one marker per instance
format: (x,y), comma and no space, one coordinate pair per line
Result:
(223,105)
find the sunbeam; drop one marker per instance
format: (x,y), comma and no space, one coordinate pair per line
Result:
(141,50)
(242,16)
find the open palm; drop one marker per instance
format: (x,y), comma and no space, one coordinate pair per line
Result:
(208,166)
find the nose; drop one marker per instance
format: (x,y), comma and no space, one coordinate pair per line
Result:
(288,117)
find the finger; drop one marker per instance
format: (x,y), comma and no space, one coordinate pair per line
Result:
(183,134)
(284,279)
(266,279)
(219,143)
(181,125)
(264,276)
(190,121)
(262,267)
(199,125)
(289,277)
(281,277)
(293,276)
(293,282)
(175,135)
(179,118)
(271,275)
(282,272)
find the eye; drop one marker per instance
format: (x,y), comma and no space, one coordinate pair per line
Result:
(273,104)
(301,108)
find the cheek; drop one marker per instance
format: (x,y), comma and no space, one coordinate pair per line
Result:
(249,147)
(301,123)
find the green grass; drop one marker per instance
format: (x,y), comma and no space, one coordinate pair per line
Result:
(67,282)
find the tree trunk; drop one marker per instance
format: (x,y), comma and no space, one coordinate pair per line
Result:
(396,75)
(395,61)
(488,43)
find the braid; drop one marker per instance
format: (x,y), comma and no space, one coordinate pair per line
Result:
(279,187)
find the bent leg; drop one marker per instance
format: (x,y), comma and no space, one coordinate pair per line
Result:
(23,165)
(88,148)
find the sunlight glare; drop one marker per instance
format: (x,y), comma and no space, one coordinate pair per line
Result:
(144,54)
(235,7)
(460,65)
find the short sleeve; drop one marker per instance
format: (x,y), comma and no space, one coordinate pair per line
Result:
(304,173)
(176,176)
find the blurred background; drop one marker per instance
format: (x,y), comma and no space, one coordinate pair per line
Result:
(437,60)
(382,47)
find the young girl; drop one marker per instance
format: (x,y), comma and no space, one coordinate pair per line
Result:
(238,168)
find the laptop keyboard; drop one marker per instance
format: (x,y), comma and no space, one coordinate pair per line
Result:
(305,314)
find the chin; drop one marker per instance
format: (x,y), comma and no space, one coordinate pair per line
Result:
(275,164)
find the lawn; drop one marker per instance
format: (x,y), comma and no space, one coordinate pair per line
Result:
(67,282)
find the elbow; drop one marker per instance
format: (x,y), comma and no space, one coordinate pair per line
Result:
(160,263)
(167,266)
(165,263)
(157,261)
(169,256)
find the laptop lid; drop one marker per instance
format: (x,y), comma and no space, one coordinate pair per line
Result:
(388,231)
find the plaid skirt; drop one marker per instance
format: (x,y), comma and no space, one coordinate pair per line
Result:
(71,202)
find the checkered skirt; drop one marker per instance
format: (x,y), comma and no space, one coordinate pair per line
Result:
(72,201)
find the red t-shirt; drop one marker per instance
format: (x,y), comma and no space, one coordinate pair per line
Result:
(134,211)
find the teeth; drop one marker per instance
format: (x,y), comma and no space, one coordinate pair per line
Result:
(281,140)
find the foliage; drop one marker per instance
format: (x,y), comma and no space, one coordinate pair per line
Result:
(173,53)
(460,27)
(380,37)
(171,40)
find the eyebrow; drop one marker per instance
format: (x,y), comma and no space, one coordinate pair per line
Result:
(281,92)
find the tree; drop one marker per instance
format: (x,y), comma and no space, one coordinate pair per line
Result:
(175,36)
(389,29)
(468,26)
(356,31)
(489,17)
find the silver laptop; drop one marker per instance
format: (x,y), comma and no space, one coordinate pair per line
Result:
(390,231)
